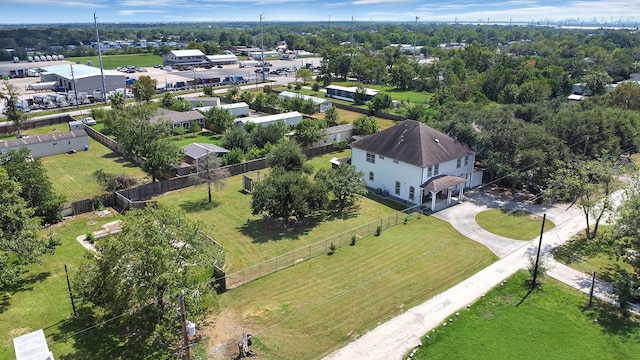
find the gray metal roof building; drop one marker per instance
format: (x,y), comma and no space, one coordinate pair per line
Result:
(82,78)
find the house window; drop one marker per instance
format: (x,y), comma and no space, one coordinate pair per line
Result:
(395,161)
(412,193)
(397,190)
(466,160)
(436,169)
(371,158)
(459,163)
(429,171)
(370,175)
(381,157)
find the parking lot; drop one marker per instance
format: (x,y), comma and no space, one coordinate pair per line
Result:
(164,77)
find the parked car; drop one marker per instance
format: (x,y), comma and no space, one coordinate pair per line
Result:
(219,66)
(89,121)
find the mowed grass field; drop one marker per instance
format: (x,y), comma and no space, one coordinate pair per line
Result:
(250,239)
(518,225)
(41,300)
(549,323)
(72,174)
(112,62)
(315,307)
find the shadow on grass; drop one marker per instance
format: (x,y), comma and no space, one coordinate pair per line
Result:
(119,160)
(199,205)
(270,229)
(24,284)
(116,339)
(612,320)
(577,249)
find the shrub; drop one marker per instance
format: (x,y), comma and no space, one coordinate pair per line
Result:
(353,240)
(298,86)
(90,238)
(332,248)
(378,230)
(315,87)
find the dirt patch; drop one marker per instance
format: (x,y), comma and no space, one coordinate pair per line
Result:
(223,331)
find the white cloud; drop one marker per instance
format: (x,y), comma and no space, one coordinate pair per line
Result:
(55,3)
(136,12)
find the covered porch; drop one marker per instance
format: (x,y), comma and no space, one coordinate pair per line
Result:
(442,191)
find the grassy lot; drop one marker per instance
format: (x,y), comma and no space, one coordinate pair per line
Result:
(205,136)
(591,255)
(41,300)
(550,323)
(110,62)
(317,306)
(72,174)
(518,225)
(399,95)
(252,239)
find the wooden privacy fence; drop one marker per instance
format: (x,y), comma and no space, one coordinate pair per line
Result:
(297,256)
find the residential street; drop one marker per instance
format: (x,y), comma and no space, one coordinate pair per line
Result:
(399,335)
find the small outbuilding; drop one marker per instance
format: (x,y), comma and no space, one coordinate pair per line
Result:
(50,144)
(238,109)
(322,104)
(290,118)
(347,93)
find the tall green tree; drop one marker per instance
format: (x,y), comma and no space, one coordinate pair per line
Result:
(288,156)
(14,115)
(590,184)
(284,194)
(219,119)
(309,131)
(36,188)
(211,172)
(345,182)
(19,242)
(117,100)
(365,125)
(160,157)
(139,273)
(331,116)
(144,88)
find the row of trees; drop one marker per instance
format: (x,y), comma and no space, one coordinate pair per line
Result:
(28,202)
(290,191)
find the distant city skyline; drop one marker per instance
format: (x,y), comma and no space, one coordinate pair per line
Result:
(611,12)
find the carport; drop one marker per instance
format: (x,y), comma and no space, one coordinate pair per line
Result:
(435,188)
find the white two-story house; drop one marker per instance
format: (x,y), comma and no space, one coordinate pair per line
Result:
(416,163)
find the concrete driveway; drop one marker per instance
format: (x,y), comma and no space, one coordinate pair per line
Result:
(399,335)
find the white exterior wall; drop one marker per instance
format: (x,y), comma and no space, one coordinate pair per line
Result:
(55,147)
(386,173)
(451,168)
(238,109)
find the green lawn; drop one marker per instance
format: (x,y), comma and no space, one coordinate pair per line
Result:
(110,62)
(518,225)
(72,174)
(205,136)
(591,255)
(550,323)
(399,95)
(313,308)
(252,239)
(41,300)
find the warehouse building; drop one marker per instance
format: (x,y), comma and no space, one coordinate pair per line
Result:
(179,58)
(82,78)
(226,59)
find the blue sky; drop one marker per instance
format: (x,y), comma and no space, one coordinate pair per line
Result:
(81,11)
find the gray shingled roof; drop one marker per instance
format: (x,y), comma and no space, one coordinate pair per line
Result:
(414,143)
(176,117)
(442,182)
(10,144)
(198,150)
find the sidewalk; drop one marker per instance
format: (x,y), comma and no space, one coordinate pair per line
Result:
(399,335)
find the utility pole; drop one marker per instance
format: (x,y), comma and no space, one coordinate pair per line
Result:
(593,284)
(73,304)
(183,319)
(535,268)
(104,89)
(415,25)
(262,45)
(75,87)
(352,36)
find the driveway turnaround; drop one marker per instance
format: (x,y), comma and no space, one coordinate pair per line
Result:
(391,340)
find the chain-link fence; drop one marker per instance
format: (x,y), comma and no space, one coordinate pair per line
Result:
(284,261)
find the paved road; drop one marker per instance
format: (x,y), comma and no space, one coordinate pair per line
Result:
(401,334)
